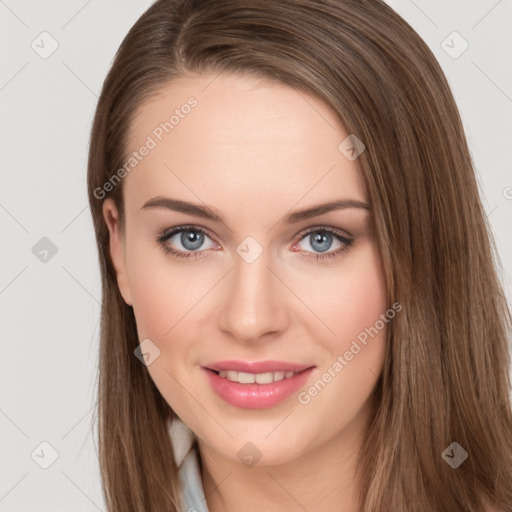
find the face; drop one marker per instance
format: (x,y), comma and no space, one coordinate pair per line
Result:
(251,282)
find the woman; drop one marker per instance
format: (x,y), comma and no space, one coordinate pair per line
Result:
(301,308)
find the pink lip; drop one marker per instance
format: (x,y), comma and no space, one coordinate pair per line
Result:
(257,366)
(256,396)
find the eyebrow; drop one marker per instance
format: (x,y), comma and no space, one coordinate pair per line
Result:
(208,212)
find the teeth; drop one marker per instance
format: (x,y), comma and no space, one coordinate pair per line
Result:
(251,378)
(243,378)
(280,375)
(263,378)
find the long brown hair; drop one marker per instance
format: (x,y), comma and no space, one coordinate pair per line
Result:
(445,377)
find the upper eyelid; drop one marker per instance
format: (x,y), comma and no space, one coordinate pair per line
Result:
(320,227)
(169,232)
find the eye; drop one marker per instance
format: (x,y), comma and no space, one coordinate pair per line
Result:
(320,240)
(188,242)
(190,238)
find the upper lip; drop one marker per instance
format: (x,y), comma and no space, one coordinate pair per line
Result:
(258,366)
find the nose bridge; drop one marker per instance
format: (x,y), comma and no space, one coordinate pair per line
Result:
(252,304)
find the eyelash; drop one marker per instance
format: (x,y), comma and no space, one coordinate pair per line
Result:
(168,233)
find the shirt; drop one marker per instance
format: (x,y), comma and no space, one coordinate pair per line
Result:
(186,456)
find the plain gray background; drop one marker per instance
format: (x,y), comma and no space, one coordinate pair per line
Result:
(50,308)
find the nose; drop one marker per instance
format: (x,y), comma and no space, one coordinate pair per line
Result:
(253,302)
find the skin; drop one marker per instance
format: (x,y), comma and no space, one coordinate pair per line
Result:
(256,153)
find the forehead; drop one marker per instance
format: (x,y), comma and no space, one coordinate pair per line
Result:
(224,138)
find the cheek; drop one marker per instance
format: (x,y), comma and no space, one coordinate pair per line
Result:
(163,298)
(365,297)
(164,291)
(156,290)
(352,306)
(348,300)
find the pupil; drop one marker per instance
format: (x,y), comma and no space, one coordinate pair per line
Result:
(322,240)
(192,240)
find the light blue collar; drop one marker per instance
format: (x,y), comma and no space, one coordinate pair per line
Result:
(186,457)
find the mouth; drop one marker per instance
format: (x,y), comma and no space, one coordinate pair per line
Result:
(269,382)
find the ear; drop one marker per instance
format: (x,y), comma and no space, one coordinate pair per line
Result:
(117,248)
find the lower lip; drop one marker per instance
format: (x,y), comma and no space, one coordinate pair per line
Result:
(256,396)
